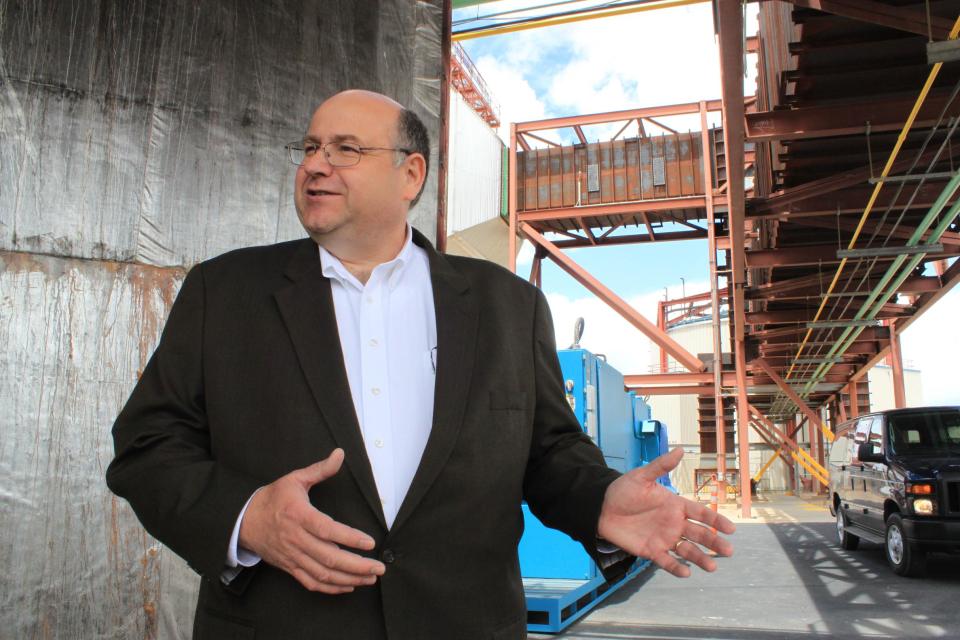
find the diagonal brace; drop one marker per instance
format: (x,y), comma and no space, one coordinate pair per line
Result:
(618,304)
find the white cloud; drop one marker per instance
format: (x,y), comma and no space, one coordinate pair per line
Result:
(607,332)
(517,99)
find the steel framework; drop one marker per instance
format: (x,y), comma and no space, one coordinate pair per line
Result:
(849,140)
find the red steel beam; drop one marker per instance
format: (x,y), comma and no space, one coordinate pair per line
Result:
(848,118)
(618,304)
(675,390)
(631,239)
(790,393)
(617,116)
(527,134)
(901,231)
(613,209)
(808,255)
(884,15)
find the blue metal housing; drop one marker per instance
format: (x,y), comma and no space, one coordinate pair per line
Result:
(561,582)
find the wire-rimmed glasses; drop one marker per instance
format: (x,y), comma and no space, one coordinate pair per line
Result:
(338,154)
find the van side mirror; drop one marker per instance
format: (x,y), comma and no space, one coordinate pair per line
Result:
(866,453)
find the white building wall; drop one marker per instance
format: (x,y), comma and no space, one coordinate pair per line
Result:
(475,168)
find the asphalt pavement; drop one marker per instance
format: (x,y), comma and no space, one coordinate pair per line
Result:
(788,579)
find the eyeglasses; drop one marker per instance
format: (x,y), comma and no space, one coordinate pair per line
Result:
(339,154)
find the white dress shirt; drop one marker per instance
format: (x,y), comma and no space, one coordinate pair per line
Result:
(388,335)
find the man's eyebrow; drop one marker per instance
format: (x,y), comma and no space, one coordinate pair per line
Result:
(340,137)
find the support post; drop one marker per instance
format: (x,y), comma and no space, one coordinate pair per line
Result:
(743,426)
(715,312)
(854,396)
(794,397)
(512,200)
(896,362)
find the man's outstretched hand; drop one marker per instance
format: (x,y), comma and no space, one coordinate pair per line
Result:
(282,527)
(645,519)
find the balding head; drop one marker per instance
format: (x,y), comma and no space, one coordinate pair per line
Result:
(363,173)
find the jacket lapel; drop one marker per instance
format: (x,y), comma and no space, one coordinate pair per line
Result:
(306,305)
(457,321)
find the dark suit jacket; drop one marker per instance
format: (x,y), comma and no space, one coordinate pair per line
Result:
(248,384)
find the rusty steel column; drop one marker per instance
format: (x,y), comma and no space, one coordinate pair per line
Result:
(662,325)
(854,399)
(443,143)
(743,426)
(812,439)
(896,362)
(730,27)
(714,310)
(791,427)
(512,199)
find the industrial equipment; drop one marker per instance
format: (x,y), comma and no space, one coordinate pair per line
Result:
(561,582)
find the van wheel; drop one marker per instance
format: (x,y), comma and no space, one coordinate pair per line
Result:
(847,540)
(904,559)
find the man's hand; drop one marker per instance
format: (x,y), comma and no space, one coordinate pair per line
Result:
(283,528)
(645,519)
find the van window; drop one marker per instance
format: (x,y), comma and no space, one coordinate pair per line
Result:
(937,430)
(876,433)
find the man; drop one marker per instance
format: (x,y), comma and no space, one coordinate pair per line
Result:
(337,432)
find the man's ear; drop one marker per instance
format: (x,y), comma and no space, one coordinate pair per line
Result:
(415,172)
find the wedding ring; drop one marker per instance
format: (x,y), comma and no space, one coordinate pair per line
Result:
(676,547)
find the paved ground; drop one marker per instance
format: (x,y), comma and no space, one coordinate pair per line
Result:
(788,579)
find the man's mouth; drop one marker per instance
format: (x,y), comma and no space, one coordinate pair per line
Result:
(320,192)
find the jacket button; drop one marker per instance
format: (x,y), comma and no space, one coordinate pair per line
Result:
(387,556)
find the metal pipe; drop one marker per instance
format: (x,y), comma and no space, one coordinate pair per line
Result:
(573,16)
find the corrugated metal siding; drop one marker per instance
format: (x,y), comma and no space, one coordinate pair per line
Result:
(474,173)
(154,133)
(146,133)
(77,563)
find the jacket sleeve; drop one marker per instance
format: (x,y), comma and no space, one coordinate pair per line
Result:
(163,464)
(566,477)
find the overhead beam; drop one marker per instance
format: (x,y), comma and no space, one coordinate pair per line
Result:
(618,116)
(847,118)
(633,239)
(884,15)
(604,210)
(807,255)
(794,397)
(618,304)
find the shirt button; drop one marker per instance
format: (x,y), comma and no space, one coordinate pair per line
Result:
(373,342)
(375,391)
(378,442)
(369,299)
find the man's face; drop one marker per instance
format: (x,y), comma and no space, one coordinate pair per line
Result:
(372,195)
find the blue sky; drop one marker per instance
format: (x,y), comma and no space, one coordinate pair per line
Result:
(645,59)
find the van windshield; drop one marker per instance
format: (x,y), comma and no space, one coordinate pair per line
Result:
(925,433)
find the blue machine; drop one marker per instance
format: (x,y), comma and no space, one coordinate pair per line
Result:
(561,582)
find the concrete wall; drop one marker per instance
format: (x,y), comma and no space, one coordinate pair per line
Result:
(136,139)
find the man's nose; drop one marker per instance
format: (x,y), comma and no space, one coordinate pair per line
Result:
(317,164)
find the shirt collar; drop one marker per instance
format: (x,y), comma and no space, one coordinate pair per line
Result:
(390,271)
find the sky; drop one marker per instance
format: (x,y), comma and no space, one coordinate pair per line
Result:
(645,59)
